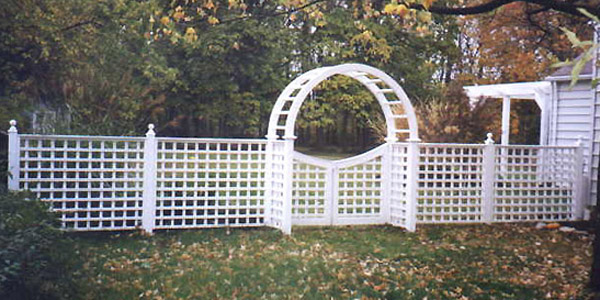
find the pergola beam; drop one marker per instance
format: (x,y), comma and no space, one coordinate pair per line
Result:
(538,91)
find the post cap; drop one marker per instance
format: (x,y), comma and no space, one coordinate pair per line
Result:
(150,129)
(489,140)
(13,126)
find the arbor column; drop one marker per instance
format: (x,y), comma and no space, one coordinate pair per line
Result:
(505,120)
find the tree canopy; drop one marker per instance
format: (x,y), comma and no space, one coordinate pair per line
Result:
(215,67)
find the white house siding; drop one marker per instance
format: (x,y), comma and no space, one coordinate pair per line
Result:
(574,116)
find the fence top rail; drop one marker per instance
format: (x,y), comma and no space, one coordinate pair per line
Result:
(537,146)
(212,140)
(441,145)
(361,158)
(81,137)
(312,160)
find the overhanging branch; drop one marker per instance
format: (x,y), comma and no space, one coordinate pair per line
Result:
(561,6)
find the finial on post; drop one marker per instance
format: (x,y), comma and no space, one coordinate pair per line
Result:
(13,126)
(150,130)
(489,140)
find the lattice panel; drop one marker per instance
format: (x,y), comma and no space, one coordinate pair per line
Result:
(309,194)
(277,184)
(449,183)
(359,190)
(399,184)
(209,183)
(534,183)
(95,183)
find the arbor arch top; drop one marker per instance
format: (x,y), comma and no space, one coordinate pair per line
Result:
(399,114)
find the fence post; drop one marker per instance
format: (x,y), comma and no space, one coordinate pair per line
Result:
(579,198)
(412,177)
(488,169)
(14,167)
(268,179)
(149,195)
(288,175)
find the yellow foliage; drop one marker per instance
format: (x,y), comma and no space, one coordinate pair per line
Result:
(401,10)
(427,3)
(190,30)
(190,35)
(178,15)
(209,5)
(212,20)
(165,20)
(389,8)
(424,16)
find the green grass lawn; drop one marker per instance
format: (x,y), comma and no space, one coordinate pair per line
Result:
(438,262)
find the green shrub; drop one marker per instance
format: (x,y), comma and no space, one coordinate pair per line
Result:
(32,249)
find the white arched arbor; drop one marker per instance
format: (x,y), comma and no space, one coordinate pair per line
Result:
(401,125)
(398,111)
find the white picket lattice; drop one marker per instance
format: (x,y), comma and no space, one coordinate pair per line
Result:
(449,183)
(535,183)
(120,183)
(210,182)
(96,183)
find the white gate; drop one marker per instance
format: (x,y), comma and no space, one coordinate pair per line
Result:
(347,191)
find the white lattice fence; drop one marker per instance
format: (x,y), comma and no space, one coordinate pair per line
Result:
(449,183)
(95,183)
(119,183)
(535,183)
(210,182)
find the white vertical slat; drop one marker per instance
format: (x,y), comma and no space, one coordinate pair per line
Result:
(150,172)
(13,156)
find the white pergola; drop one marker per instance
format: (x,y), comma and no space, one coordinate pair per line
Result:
(540,91)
